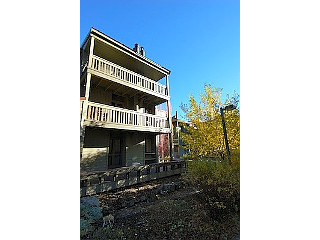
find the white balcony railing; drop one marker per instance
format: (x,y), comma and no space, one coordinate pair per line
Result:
(124,118)
(111,69)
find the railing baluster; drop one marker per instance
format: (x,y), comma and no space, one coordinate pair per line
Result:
(100,114)
(92,113)
(104,115)
(96,64)
(88,112)
(108,115)
(117,114)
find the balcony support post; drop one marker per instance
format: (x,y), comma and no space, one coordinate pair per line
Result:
(169,120)
(84,113)
(91,51)
(85,104)
(157,147)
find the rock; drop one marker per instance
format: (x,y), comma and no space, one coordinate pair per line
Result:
(158,189)
(168,187)
(143,199)
(105,210)
(177,185)
(108,220)
(136,164)
(152,198)
(131,203)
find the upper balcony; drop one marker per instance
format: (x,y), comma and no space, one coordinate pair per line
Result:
(108,70)
(100,115)
(103,46)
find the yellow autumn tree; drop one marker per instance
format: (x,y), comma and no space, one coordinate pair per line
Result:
(204,136)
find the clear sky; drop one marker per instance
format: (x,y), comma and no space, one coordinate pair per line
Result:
(199,41)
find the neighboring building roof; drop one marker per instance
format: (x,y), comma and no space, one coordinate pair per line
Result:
(174,119)
(181,124)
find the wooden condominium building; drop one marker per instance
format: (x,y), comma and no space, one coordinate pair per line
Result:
(119,92)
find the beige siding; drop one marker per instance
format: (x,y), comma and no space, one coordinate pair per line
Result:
(95,150)
(94,159)
(135,148)
(99,95)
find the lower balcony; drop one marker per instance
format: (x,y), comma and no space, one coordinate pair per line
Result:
(100,115)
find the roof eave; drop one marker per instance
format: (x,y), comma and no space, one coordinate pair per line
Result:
(94,31)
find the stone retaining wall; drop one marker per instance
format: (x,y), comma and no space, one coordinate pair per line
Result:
(128,176)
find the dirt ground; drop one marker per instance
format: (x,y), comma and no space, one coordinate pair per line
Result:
(177,214)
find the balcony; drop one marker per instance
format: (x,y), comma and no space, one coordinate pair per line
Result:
(100,115)
(106,69)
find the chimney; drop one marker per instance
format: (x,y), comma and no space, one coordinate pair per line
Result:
(136,48)
(142,52)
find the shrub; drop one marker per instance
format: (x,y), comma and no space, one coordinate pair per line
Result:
(187,156)
(90,215)
(219,183)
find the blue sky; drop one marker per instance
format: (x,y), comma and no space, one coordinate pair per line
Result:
(199,41)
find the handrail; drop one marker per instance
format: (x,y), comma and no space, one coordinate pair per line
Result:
(123,109)
(106,67)
(116,115)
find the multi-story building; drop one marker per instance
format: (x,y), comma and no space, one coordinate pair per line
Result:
(178,145)
(120,90)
